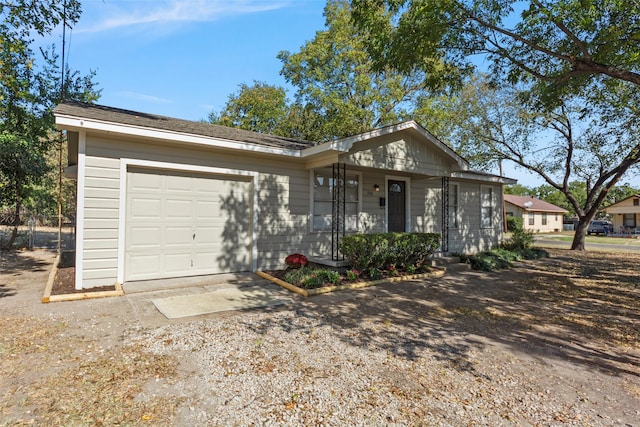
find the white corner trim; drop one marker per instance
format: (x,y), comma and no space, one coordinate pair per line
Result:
(125,163)
(82,148)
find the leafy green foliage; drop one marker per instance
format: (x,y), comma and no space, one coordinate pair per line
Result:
(28,92)
(311,277)
(261,108)
(520,239)
(514,223)
(337,92)
(565,46)
(502,258)
(377,251)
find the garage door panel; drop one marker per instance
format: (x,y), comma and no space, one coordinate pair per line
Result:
(209,235)
(144,265)
(177,235)
(145,182)
(180,209)
(207,209)
(164,212)
(179,184)
(177,262)
(144,209)
(144,237)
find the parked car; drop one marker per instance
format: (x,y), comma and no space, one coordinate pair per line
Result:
(600,226)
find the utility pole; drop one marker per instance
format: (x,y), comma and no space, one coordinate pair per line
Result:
(60,145)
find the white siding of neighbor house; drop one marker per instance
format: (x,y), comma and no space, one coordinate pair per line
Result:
(554,219)
(618,210)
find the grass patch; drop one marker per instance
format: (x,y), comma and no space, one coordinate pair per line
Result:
(623,241)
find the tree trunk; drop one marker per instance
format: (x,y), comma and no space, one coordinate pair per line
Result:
(16,218)
(579,236)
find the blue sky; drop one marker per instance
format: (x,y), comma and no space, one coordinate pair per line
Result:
(182,58)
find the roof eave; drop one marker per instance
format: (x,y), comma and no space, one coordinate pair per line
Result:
(344,145)
(77,123)
(487,178)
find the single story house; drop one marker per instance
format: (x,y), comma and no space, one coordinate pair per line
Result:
(625,214)
(537,215)
(159,197)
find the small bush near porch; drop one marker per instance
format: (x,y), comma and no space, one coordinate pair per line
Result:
(372,253)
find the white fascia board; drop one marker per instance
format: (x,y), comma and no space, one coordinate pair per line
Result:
(484,178)
(75,123)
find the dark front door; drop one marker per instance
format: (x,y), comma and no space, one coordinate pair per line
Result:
(397,205)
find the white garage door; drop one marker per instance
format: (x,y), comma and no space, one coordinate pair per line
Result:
(186,224)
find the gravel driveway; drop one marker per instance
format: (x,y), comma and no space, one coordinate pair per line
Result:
(550,342)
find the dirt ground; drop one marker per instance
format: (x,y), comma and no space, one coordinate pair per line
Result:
(574,318)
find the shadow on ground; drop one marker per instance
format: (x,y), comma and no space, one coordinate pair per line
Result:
(14,264)
(577,308)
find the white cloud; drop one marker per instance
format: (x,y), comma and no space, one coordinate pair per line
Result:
(108,16)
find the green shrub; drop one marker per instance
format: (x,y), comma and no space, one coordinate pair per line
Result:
(377,251)
(520,240)
(500,258)
(514,223)
(309,277)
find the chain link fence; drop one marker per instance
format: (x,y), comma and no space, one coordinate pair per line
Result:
(37,231)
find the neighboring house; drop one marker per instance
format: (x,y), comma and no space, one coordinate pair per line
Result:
(537,215)
(625,214)
(159,197)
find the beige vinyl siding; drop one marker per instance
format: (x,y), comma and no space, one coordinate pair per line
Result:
(100,249)
(470,237)
(406,154)
(426,205)
(281,213)
(372,217)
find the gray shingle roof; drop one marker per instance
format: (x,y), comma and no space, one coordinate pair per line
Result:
(152,121)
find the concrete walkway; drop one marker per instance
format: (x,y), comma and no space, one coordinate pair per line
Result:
(23,277)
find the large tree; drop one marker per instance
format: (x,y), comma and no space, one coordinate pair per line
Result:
(572,63)
(337,92)
(261,108)
(30,86)
(562,44)
(579,152)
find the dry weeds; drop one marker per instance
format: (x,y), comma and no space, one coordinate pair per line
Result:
(47,379)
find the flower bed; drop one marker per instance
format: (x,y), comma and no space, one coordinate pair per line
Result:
(344,282)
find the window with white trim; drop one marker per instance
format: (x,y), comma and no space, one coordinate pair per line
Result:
(486,207)
(323,188)
(544,218)
(629,220)
(454,216)
(532,218)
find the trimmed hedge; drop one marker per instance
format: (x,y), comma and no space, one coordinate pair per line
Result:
(375,251)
